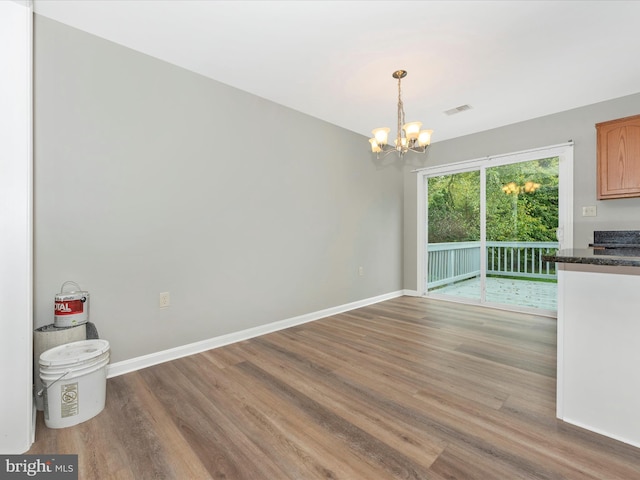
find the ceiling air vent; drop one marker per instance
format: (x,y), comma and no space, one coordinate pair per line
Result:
(461,108)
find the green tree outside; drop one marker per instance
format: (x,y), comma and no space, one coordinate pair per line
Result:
(522,204)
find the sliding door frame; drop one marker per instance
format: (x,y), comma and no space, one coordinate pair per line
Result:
(564,152)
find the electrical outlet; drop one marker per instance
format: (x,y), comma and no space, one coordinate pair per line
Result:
(164,300)
(589,211)
(361,271)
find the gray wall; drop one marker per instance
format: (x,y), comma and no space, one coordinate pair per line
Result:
(150,178)
(577,125)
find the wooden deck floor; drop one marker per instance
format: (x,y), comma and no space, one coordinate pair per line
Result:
(504,291)
(410,388)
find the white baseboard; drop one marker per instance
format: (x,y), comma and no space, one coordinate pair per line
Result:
(632,442)
(411,293)
(133,364)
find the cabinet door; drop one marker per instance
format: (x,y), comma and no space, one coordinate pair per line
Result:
(619,158)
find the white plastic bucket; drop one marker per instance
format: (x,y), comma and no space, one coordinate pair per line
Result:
(71,308)
(47,337)
(74,378)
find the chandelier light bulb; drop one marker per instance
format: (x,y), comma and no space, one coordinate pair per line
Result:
(424,138)
(412,130)
(381,135)
(403,142)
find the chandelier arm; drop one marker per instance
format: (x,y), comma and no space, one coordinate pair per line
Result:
(418,149)
(386,151)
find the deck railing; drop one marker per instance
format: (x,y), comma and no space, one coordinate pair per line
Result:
(454,261)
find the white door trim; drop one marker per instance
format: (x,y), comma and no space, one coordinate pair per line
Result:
(16,227)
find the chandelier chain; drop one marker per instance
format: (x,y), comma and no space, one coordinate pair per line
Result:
(400,115)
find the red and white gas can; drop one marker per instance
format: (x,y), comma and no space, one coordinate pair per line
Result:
(71,306)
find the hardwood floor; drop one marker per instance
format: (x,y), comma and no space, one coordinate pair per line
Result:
(409,388)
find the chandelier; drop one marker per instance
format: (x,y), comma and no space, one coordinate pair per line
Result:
(409,137)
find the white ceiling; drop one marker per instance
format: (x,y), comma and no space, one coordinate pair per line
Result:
(509,60)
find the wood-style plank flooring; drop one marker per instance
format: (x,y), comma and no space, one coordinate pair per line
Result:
(409,388)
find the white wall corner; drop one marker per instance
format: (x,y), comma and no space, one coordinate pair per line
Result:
(410,293)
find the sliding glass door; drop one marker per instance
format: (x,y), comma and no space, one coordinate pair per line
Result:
(453,234)
(521,225)
(487,225)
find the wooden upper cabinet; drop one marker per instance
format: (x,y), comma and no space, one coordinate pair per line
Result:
(619,158)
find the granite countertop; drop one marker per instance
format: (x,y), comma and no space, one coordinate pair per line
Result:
(624,257)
